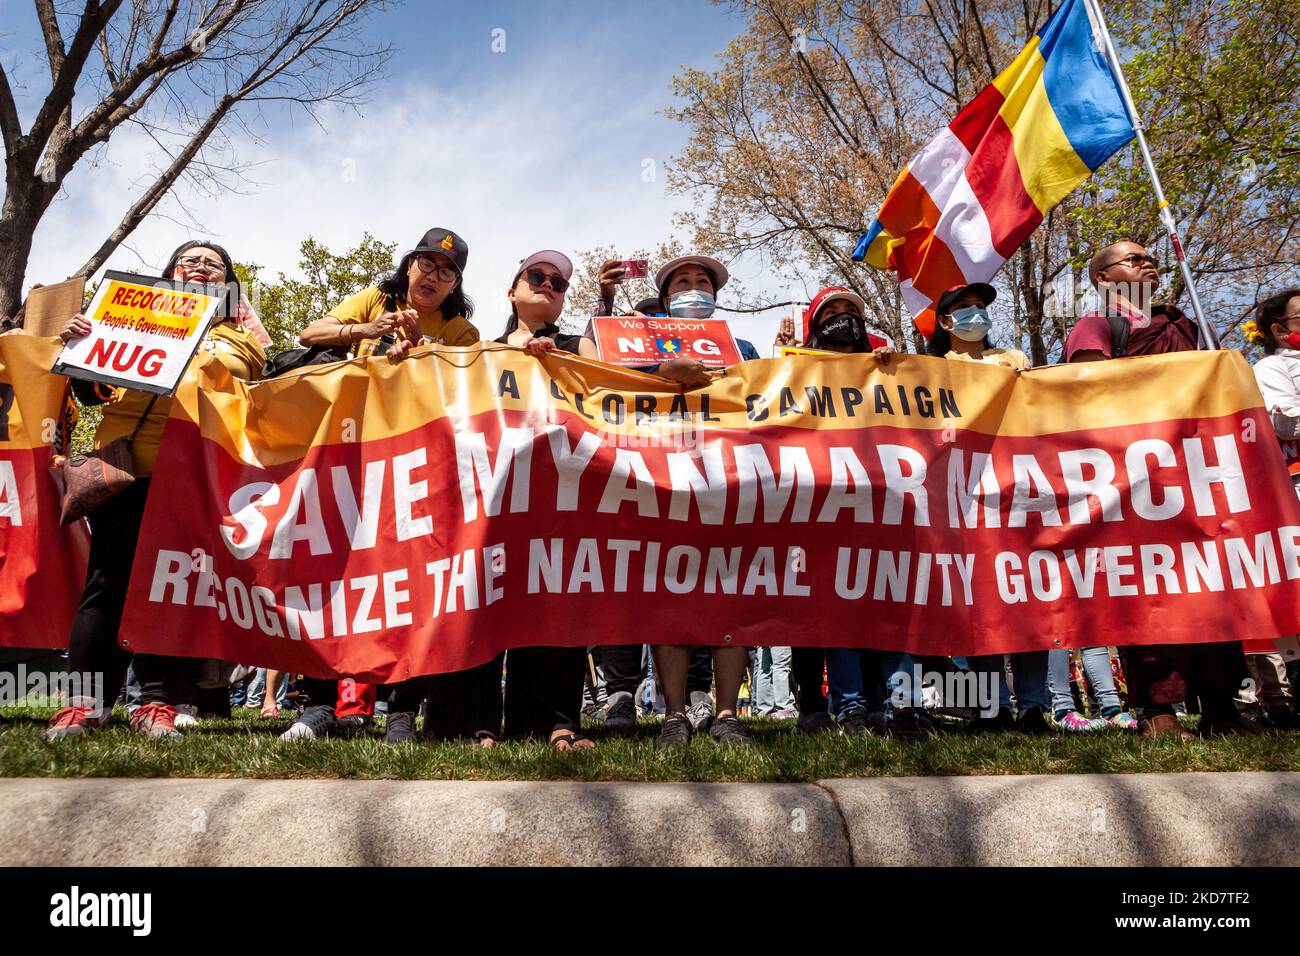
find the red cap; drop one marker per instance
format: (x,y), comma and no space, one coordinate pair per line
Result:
(825,296)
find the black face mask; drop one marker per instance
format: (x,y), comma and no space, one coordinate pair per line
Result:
(842,330)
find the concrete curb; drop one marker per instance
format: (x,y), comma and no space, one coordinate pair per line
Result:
(1147,819)
(1079,820)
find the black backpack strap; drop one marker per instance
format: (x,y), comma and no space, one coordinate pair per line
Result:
(1120,328)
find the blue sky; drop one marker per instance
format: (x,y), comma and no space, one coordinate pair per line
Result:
(542,145)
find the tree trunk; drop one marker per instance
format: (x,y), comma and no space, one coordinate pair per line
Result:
(22,211)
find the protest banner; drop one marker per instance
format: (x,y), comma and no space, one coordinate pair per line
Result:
(873,342)
(42,564)
(143,332)
(384,521)
(631,341)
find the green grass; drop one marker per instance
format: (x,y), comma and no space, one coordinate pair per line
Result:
(247,747)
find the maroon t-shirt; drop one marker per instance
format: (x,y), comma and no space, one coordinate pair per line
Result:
(1168,331)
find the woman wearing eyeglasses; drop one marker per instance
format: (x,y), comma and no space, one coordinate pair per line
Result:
(92,646)
(543,693)
(423,300)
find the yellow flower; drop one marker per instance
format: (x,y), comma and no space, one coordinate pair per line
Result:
(1250,330)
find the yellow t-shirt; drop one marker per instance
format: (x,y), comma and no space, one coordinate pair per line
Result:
(1011,358)
(234,347)
(370,304)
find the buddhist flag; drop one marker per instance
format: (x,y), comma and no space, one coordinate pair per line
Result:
(968,200)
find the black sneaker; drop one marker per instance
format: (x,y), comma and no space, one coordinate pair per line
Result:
(911,723)
(400,727)
(856,723)
(620,713)
(353,724)
(1232,726)
(992,725)
(1033,722)
(1280,718)
(817,722)
(676,731)
(317,721)
(728,730)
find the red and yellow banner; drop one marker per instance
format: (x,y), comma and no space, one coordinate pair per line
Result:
(42,565)
(384,521)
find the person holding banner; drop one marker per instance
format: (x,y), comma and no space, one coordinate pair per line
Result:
(688,288)
(1276,327)
(961,333)
(1126,279)
(423,300)
(93,646)
(543,687)
(962,326)
(835,321)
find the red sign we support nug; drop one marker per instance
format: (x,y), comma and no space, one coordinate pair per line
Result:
(633,341)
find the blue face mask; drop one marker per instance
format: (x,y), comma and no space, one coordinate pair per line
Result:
(972,323)
(691,305)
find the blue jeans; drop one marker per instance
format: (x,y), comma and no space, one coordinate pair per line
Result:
(898,669)
(1028,670)
(1096,669)
(257,690)
(770,687)
(844,683)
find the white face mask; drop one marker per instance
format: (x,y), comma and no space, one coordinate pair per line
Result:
(694,304)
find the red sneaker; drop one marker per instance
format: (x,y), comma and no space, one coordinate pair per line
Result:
(155,720)
(73,721)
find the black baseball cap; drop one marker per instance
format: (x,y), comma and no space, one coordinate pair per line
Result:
(446,243)
(986,292)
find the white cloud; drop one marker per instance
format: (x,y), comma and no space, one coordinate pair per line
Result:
(513,167)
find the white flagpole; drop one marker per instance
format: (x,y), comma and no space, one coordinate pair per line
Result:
(1209,336)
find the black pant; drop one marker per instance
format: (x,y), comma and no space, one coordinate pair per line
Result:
(543,693)
(320,690)
(807,664)
(624,668)
(460,703)
(544,690)
(1209,674)
(93,643)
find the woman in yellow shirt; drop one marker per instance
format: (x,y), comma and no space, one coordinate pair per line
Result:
(962,328)
(92,646)
(423,300)
(961,333)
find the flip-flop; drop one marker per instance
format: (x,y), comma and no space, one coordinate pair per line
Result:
(571,739)
(481,737)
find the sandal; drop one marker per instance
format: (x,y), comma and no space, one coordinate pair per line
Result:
(572,740)
(483,738)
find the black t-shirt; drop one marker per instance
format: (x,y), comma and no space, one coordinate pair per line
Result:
(563,342)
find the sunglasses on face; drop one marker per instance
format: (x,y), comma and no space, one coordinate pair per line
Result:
(1133,261)
(198,262)
(536,277)
(443,272)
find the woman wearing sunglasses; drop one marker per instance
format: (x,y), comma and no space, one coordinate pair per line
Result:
(422,301)
(543,693)
(115,525)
